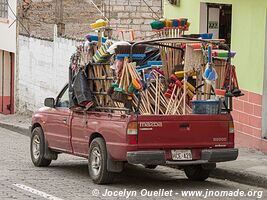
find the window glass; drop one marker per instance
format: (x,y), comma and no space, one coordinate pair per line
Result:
(63,100)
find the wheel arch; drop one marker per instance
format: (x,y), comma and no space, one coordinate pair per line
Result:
(35,125)
(96,135)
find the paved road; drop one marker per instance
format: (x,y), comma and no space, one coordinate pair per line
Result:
(67,178)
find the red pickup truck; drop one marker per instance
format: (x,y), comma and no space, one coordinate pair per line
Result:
(194,143)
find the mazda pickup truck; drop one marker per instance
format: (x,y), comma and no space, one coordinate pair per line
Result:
(193,143)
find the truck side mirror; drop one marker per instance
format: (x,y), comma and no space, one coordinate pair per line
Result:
(49,102)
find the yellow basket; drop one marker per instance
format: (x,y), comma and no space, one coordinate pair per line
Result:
(98,25)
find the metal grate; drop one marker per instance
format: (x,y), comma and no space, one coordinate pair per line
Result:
(3,9)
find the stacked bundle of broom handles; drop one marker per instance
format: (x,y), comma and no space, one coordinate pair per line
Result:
(152,99)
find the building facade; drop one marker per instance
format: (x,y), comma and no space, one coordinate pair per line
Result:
(7,55)
(39,17)
(243,25)
(44,50)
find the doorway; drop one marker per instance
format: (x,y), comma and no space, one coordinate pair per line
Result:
(264,96)
(6,82)
(216,19)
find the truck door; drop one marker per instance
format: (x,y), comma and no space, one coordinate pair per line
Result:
(58,123)
(80,132)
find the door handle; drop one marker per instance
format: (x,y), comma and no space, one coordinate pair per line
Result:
(64,120)
(97,115)
(185,125)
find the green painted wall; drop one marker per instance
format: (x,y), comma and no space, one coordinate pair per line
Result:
(248,35)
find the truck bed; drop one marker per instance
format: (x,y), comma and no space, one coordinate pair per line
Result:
(183,140)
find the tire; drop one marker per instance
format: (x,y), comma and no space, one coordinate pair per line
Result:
(150,166)
(37,148)
(197,173)
(97,162)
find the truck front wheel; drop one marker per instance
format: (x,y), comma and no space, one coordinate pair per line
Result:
(97,162)
(38,148)
(197,173)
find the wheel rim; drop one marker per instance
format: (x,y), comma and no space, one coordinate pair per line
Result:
(36,147)
(96,161)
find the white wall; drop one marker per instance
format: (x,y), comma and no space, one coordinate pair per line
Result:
(8,35)
(42,70)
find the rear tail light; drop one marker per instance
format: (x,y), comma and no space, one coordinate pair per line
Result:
(132,131)
(231,132)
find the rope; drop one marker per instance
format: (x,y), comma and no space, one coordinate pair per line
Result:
(99,10)
(151,10)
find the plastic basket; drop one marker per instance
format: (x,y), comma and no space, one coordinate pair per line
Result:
(211,107)
(98,25)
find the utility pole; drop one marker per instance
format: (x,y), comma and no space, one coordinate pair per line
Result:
(59,18)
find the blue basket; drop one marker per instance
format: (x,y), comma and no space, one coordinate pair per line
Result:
(206,36)
(211,107)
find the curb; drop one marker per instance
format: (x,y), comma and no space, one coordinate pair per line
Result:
(240,177)
(218,173)
(246,178)
(14,128)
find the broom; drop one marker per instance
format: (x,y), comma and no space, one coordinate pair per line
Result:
(119,94)
(137,85)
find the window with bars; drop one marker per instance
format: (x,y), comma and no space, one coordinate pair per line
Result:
(3,9)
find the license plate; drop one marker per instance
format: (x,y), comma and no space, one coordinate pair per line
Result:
(181,154)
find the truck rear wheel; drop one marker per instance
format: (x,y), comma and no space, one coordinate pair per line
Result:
(197,173)
(97,162)
(38,148)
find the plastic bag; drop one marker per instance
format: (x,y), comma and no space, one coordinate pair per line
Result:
(81,89)
(210,73)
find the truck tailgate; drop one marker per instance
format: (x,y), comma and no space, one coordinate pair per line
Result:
(187,131)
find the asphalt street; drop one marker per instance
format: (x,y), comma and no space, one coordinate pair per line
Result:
(67,179)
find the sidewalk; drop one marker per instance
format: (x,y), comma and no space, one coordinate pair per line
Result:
(18,123)
(250,167)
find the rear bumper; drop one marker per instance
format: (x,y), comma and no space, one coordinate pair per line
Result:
(158,157)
